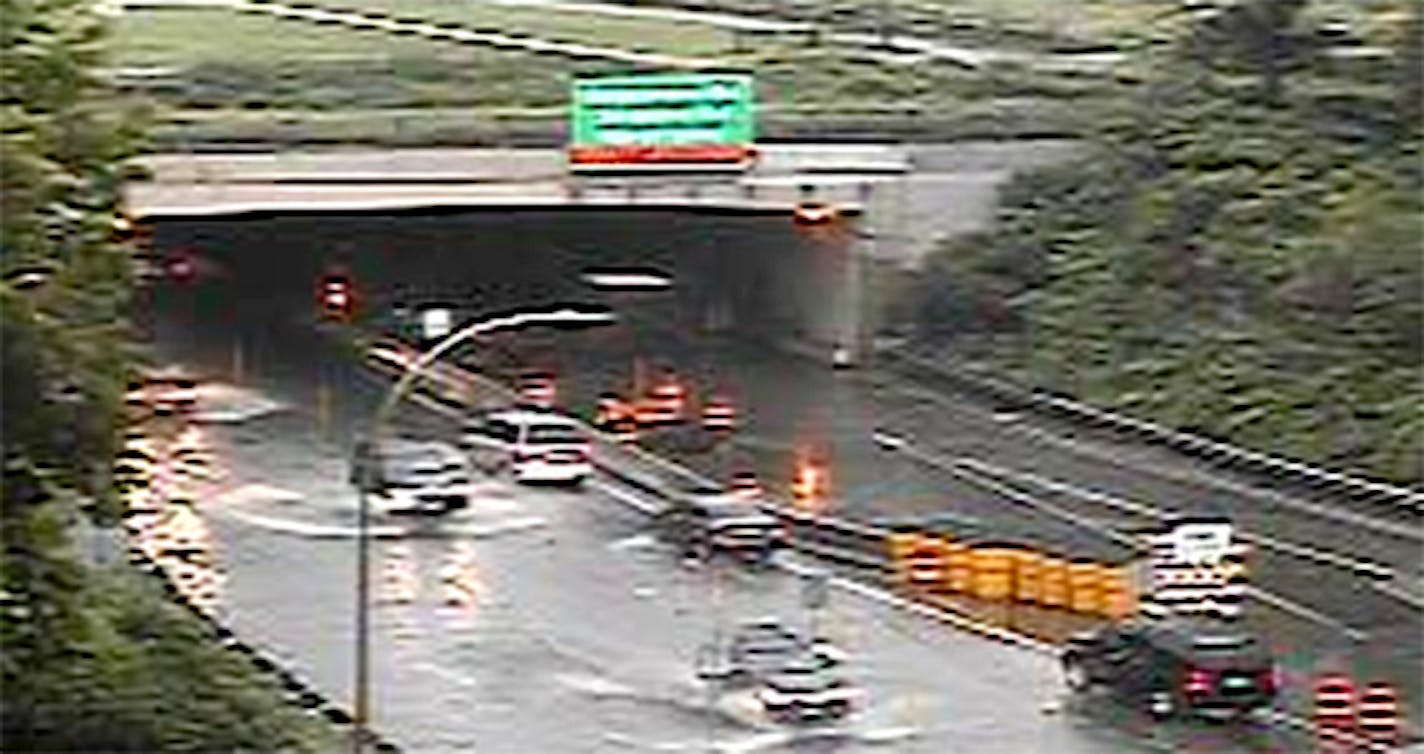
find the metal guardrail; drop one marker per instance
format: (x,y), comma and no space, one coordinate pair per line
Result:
(842,541)
(1212,451)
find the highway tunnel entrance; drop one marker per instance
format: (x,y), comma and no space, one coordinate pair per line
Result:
(754,275)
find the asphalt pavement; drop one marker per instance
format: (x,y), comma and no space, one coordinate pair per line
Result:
(1318,563)
(577,630)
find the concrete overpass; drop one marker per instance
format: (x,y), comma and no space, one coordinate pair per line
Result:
(824,287)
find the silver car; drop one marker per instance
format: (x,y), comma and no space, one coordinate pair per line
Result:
(421,477)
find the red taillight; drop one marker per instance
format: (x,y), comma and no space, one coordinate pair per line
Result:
(1266,680)
(1198,681)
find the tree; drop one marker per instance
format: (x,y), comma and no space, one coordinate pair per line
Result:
(92,660)
(1241,260)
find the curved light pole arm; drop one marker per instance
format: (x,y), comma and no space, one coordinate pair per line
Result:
(415,371)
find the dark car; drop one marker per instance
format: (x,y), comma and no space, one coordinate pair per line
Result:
(1175,666)
(702,523)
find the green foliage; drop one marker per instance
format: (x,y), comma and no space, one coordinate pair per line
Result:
(97,660)
(91,660)
(1236,254)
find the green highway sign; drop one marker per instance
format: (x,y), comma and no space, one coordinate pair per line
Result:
(662,118)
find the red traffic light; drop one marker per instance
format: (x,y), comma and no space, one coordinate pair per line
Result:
(336,296)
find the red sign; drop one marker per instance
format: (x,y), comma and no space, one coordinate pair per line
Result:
(665,153)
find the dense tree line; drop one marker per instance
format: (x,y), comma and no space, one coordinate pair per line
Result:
(91,658)
(1240,252)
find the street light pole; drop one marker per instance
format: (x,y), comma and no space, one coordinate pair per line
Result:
(416,370)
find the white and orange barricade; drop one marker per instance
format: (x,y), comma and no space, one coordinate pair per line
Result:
(665,403)
(617,417)
(1377,716)
(718,415)
(610,409)
(1334,712)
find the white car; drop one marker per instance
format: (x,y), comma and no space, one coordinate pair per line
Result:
(534,446)
(421,477)
(802,693)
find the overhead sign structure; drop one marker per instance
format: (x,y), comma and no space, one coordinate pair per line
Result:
(662,120)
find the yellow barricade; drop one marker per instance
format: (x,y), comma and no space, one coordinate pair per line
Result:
(1085,593)
(994,573)
(1053,582)
(901,544)
(961,568)
(1118,600)
(920,561)
(1027,572)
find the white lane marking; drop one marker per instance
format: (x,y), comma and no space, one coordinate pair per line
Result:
(254,493)
(1374,570)
(1188,477)
(1413,599)
(958,467)
(1377,525)
(1308,613)
(593,684)
(626,498)
(310,530)
(486,531)
(387,531)
(447,674)
(634,542)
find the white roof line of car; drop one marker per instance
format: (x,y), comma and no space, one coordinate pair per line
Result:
(533,416)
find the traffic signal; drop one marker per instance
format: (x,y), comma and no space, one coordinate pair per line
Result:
(181,266)
(336,297)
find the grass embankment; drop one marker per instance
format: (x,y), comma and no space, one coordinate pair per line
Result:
(137,673)
(220,76)
(1240,255)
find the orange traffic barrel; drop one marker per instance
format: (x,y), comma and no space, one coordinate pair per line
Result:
(1334,714)
(609,409)
(745,484)
(718,415)
(537,389)
(1377,714)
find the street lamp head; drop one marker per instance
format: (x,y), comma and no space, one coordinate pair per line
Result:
(581,316)
(627,279)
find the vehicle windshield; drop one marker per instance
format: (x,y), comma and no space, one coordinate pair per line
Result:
(553,434)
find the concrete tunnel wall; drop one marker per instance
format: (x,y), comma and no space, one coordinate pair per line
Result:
(753,275)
